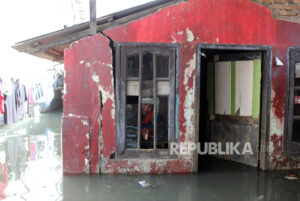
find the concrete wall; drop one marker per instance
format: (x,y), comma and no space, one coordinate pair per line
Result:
(89,76)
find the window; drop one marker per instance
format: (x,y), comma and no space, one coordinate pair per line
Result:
(145,96)
(296,110)
(293,112)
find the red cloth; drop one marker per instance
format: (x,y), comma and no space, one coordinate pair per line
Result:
(1,103)
(148,118)
(3,180)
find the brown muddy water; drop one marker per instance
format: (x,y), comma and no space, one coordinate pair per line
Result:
(31,169)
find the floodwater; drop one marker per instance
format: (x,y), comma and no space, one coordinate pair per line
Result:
(30,158)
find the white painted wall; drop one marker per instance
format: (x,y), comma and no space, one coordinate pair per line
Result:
(244,87)
(223,88)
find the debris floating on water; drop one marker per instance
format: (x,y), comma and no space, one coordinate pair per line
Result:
(291,177)
(144,184)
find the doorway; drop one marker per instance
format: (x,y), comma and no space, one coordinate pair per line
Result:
(234,89)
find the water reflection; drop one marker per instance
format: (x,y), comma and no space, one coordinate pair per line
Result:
(30,159)
(30,169)
(218,184)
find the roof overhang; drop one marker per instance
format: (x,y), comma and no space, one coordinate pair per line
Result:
(51,46)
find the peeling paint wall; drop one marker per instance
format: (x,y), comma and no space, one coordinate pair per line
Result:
(279,160)
(88,66)
(76,145)
(89,75)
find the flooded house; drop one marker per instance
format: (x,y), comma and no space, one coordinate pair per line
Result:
(143,81)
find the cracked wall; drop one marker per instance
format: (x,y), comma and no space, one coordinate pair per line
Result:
(88,66)
(89,70)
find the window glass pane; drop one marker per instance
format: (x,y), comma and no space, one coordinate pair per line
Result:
(131,121)
(297,77)
(297,69)
(297,102)
(147,77)
(132,88)
(147,126)
(162,122)
(147,66)
(163,88)
(162,69)
(132,66)
(296,130)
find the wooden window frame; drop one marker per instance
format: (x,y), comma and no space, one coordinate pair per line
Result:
(291,147)
(122,50)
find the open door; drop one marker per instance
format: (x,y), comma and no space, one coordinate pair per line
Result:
(233,98)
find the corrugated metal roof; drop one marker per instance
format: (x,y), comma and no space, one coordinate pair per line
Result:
(51,46)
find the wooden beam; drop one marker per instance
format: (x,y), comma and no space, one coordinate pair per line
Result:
(56,52)
(93,16)
(66,40)
(53,57)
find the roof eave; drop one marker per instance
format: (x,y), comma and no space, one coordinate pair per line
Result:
(50,46)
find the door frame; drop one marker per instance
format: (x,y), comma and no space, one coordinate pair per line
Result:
(265,107)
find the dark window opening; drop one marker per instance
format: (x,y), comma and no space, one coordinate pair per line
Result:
(162,66)
(147,126)
(296,112)
(131,121)
(133,66)
(292,138)
(162,126)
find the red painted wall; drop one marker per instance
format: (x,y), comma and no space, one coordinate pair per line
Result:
(75,144)
(88,66)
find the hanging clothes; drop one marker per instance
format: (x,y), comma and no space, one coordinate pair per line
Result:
(21,98)
(1,103)
(1,99)
(31,100)
(10,102)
